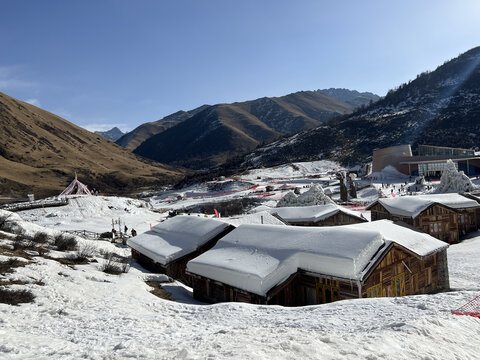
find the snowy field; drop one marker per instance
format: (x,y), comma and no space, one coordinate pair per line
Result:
(82,312)
(95,213)
(85,313)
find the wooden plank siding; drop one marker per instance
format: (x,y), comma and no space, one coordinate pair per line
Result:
(339,218)
(176,269)
(418,276)
(439,221)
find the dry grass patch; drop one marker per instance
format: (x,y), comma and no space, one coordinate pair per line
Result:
(69,261)
(18,253)
(159,291)
(9,265)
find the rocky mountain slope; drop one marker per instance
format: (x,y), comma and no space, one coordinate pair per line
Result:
(441,107)
(113,134)
(220,131)
(352,97)
(134,138)
(40,153)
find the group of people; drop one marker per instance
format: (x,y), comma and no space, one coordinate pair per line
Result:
(133,232)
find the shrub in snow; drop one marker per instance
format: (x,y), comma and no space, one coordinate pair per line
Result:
(86,250)
(115,264)
(453,180)
(65,242)
(15,297)
(106,235)
(314,196)
(40,238)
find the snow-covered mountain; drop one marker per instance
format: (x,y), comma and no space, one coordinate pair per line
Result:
(113,134)
(441,107)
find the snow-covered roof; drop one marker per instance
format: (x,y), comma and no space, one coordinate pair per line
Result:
(176,237)
(313,214)
(255,258)
(262,217)
(412,206)
(417,242)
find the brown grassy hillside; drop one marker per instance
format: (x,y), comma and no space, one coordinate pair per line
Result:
(221,131)
(40,152)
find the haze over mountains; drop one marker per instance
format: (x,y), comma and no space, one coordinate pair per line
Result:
(40,153)
(207,136)
(441,107)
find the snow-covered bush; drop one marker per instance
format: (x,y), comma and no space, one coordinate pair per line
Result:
(453,180)
(314,196)
(290,199)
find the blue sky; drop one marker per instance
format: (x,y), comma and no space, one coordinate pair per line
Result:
(107,63)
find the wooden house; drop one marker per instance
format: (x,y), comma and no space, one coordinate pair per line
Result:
(444,216)
(296,266)
(319,215)
(171,244)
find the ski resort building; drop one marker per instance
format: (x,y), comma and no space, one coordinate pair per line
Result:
(296,266)
(444,216)
(430,161)
(171,244)
(319,215)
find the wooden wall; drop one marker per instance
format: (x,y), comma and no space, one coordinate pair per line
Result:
(439,221)
(401,273)
(398,273)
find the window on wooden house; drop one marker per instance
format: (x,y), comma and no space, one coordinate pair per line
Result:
(374,291)
(398,285)
(327,293)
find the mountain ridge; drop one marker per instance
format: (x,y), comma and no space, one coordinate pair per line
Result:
(113,134)
(231,129)
(40,153)
(440,107)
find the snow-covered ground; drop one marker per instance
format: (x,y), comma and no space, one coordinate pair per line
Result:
(82,312)
(85,313)
(95,213)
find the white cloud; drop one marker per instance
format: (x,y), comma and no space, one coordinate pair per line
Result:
(10,79)
(34,102)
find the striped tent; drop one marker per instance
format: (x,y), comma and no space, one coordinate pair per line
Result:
(76,187)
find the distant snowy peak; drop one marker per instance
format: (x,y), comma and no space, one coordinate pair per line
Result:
(352,97)
(113,134)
